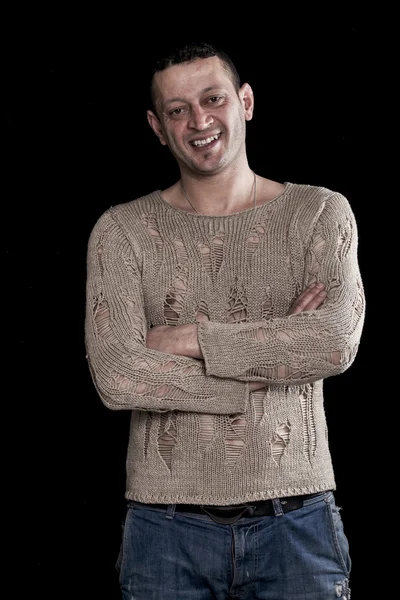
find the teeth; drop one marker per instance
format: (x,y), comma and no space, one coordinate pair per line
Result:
(207,141)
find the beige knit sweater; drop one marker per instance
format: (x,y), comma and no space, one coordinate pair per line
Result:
(198,435)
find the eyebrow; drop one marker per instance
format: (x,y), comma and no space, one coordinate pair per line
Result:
(178,99)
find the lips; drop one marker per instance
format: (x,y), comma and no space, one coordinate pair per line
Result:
(206,142)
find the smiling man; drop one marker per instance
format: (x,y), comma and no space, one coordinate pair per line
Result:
(200,113)
(215,310)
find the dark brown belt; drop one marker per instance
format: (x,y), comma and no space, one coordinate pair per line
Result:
(230,514)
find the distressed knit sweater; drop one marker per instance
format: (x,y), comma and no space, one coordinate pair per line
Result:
(198,435)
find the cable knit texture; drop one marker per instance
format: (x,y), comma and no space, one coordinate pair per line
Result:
(197,434)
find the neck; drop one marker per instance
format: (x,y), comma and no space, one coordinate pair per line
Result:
(219,195)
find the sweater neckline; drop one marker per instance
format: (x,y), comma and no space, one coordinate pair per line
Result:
(251,209)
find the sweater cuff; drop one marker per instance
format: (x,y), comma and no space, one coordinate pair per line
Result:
(213,361)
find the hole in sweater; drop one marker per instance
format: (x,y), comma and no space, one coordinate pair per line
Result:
(254,239)
(138,331)
(151,223)
(345,239)
(267,304)
(335,358)
(280,441)
(278,373)
(121,382)
(174,302)
(257,399)
(171,392)
(205,253)
(202,313)
(212,254)
(218,248)
(237,305)
(101,315)
(206,430)
(180,250)
(142,388)
(167,366)
(234,440)
(167,437)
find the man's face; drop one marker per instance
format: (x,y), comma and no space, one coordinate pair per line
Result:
(202,118)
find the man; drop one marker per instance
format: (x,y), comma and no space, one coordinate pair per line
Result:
(215,309)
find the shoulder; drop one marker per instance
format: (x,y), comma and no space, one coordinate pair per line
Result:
(311,200)
(130,212)
(313,194)
(317,206)
(137,207)
(125,221)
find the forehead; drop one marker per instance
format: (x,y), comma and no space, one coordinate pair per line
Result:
(187,80)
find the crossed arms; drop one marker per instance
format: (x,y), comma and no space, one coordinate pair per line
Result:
(183,339)
(211,367)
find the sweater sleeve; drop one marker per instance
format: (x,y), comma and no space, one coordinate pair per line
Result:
(306,346)
(126,374)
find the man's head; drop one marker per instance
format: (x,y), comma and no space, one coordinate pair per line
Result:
(189,53)
(200,108)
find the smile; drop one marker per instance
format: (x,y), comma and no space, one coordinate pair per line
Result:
(199,143)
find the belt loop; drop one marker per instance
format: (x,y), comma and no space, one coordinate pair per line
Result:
(170,511)
(278,510)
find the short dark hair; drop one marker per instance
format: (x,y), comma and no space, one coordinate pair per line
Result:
(190,52)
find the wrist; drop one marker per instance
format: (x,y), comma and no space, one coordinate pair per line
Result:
(190,340)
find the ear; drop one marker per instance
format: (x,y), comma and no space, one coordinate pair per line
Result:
(247,97)
(156,126)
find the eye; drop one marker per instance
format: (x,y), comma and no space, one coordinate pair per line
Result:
(176,112)
(214,99)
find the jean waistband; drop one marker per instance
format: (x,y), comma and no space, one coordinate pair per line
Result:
(226,515)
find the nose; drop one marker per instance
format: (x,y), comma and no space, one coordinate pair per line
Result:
(200,118)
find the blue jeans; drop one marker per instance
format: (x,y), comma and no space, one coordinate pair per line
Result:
(300,555)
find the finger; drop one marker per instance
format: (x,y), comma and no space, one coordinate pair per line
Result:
(309,299)
(306,297)
(256,385)
(316,301)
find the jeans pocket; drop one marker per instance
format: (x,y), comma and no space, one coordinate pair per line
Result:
(340,540)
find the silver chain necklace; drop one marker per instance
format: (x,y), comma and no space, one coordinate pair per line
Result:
(197,212)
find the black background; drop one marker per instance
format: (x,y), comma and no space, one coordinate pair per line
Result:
(76,140)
